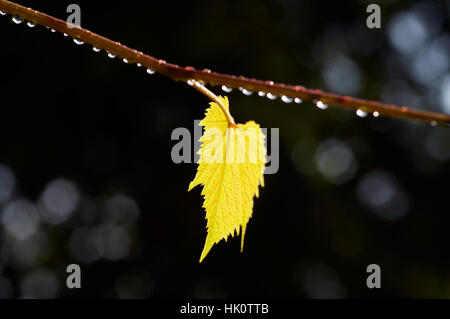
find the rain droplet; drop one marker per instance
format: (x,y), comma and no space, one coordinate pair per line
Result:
(2,13)
(361,113)
(65,34)
(261,93)
(321,105)
(17,19)
(376,114)
(190,82)
(53,30)
(247,92)
(111,56)
(139,65)
(31,24)
(271,96)
(150,71)
(226,89)
(78,41)
(298,100)
(286,99)
(433,123)
(95,49)
(125,60)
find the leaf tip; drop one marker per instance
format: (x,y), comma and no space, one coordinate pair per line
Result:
(242,238)
(206,248)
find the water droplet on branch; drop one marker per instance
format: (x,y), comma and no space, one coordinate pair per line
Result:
(246,92)
(111,56)
(17,19)
(78,41)
(150,71)
(261,93)
(2,13)
(298,100)
(361,113)
(95,49)
(376,114)
(271,96)
(321,105)
(226,89)
(286,99)
(31,24)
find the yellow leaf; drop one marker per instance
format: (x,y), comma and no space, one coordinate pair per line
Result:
(231,166)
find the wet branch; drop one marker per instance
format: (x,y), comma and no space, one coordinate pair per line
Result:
(178,73)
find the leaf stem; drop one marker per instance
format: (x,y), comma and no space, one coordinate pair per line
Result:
(179,73)
(201,88)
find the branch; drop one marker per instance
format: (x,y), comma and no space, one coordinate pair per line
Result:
(270,89)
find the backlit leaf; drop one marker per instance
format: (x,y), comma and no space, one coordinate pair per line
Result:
(231,166)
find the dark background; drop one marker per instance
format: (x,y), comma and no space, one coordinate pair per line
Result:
(86,175)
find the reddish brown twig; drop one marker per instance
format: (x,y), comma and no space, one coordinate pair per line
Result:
(179,73)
